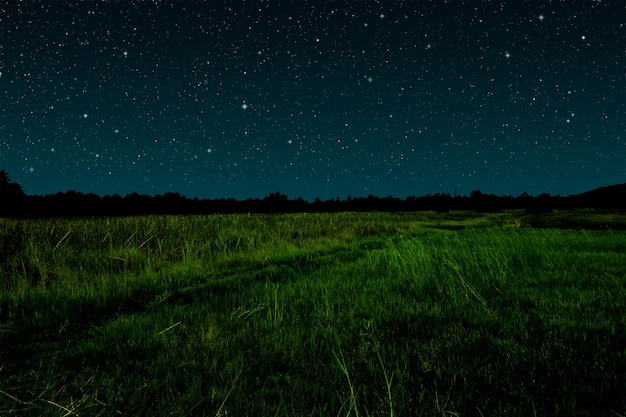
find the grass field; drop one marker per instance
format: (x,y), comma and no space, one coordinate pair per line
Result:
(347,314)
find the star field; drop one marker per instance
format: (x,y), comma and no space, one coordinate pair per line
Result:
(313,98)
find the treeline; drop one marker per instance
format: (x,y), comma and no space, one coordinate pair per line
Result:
(15,203)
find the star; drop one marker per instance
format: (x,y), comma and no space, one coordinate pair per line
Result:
(311,81)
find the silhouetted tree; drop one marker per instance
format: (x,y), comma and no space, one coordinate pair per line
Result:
(540,204)
(12,197)
(276,202)
(113,205)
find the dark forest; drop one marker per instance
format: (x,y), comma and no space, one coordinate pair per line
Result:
(15,203)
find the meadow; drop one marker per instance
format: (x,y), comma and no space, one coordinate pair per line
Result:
(344,314)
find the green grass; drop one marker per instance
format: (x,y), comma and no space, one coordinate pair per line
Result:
(348,314)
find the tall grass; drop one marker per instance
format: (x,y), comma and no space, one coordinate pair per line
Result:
(331,314)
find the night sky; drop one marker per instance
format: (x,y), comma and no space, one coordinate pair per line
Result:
(218,99)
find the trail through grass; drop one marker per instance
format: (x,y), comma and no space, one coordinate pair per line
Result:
(331,314)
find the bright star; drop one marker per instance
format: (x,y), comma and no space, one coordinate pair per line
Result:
(244,106)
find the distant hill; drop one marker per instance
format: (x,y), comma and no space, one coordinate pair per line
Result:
(612,196)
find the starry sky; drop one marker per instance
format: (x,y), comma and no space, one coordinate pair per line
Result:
(313,98)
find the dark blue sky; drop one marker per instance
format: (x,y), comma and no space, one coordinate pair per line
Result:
(313,98)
